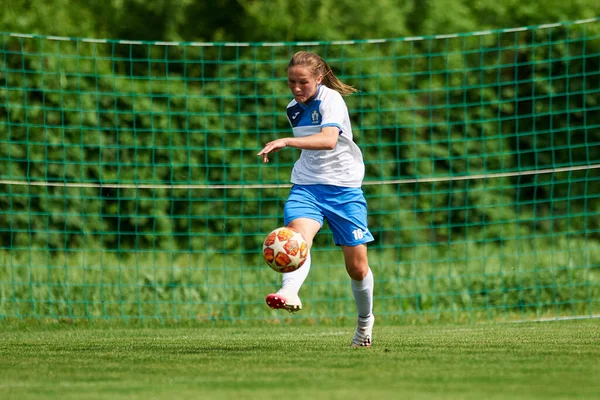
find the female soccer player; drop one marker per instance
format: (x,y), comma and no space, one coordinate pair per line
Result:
(327,180)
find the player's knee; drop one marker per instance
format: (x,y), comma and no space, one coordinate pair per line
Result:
(358,271)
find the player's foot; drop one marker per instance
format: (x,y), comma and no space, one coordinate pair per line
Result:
(284,299)
(364,332)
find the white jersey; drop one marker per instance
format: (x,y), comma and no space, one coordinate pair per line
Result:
(342,166)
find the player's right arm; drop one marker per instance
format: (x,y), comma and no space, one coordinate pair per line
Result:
(326,139)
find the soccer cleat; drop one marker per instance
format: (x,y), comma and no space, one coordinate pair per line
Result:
(363,334)
(284,300)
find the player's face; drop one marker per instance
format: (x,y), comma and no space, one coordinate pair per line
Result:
(302,83)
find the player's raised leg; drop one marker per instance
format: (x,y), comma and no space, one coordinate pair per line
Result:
(287,297)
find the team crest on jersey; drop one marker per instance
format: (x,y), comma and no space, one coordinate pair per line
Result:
(315,117)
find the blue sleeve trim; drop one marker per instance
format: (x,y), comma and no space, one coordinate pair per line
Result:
(336,125)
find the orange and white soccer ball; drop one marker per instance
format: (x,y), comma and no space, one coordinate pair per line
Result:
(285,250)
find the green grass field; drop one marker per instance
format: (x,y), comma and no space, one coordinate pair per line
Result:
(526,360)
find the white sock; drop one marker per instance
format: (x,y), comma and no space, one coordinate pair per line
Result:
(293,280)
(363,296)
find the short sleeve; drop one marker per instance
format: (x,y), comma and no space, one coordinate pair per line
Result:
(333,110)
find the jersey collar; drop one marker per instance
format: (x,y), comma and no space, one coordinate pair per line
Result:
(312,98)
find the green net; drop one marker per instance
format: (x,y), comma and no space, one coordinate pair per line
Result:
(130,189)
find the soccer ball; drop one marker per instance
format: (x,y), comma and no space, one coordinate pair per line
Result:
(285,250)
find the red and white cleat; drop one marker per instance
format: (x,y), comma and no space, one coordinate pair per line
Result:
(284,300)
(364,333)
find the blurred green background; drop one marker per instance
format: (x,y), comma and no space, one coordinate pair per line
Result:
(278,20)
(116,113)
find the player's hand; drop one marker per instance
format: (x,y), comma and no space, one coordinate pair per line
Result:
(272,147)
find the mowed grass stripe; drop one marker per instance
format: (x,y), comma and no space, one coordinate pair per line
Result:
(530,360)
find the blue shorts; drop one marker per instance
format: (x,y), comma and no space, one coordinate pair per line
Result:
(344,208)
